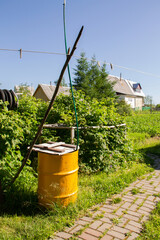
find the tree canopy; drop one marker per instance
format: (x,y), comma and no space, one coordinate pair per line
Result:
(92,78)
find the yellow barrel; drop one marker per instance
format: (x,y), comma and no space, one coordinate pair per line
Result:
(57,178)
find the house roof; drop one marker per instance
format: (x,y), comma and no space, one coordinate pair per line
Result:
(120,85)
(126,87)
(49,90)
(136,86)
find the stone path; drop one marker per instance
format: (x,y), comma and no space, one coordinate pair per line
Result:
(122,216)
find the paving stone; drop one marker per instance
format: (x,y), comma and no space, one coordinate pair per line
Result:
(113,207)
(126,205)
(143,212)
(64,235)
(145,209)
(68,229)
(131,217)
(150,198)
(81,222)
(120,211)
(76,229)
(144,219)
(130,196)
(104,227)
(107,210)
(87,219)
(133,207)
(139,201)
(116,234)
(133,228)
(96,224)
(120,229)
(86,236)
(125,198)
(135,224)
(93,232)
(133,236)
(96,213)
(149,202)
(148,206)
(106,220)
(107,237)
(111,216)
(122,222)
(56,238)
(134,213)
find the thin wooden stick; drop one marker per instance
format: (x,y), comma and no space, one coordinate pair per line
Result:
(49,107)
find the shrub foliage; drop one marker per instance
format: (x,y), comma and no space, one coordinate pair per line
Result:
(100,149)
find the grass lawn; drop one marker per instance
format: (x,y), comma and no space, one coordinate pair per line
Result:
(152,227)
(21,218)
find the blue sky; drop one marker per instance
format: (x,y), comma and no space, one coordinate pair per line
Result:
(123,32)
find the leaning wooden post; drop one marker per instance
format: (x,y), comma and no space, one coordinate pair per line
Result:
(69,55)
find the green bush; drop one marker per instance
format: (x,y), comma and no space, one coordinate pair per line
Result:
(123,108)
(100,149)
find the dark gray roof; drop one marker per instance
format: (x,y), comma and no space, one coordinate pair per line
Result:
(120,86)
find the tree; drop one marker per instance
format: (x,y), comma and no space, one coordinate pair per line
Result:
(23,88)
(63,83)
(148,100)
(92,79)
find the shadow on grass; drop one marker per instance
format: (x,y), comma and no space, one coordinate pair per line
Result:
(21,202)
(151,154)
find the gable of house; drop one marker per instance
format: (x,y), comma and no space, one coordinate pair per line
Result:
(45,92)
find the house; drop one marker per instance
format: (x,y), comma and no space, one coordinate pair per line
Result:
(20,89)
(129,91)
(45,92)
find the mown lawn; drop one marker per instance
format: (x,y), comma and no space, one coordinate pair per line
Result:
(21,218)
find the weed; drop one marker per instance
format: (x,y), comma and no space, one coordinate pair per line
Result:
(156,195)
(99,216)
(125,212)
(128,234)
(135,191)
(116,221)
(149,177)
(116,200)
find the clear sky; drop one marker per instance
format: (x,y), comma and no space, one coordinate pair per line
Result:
(123,32)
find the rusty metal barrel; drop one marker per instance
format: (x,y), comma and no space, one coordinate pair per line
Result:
(57,173)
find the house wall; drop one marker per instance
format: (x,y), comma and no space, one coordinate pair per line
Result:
(134,102)
(128,100)
(40,94)
(138,103)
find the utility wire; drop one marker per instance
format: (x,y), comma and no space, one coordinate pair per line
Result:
(64,54)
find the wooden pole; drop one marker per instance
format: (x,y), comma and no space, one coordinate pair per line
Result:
(69,55)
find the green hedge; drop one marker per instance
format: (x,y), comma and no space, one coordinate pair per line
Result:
(100,149)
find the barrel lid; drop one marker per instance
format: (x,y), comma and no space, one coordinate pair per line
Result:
(55,148)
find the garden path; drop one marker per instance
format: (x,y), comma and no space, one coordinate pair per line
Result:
(122,219)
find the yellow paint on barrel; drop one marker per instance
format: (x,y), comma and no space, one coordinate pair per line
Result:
(57,178)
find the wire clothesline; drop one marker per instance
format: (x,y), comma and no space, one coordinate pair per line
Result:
(64,54)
